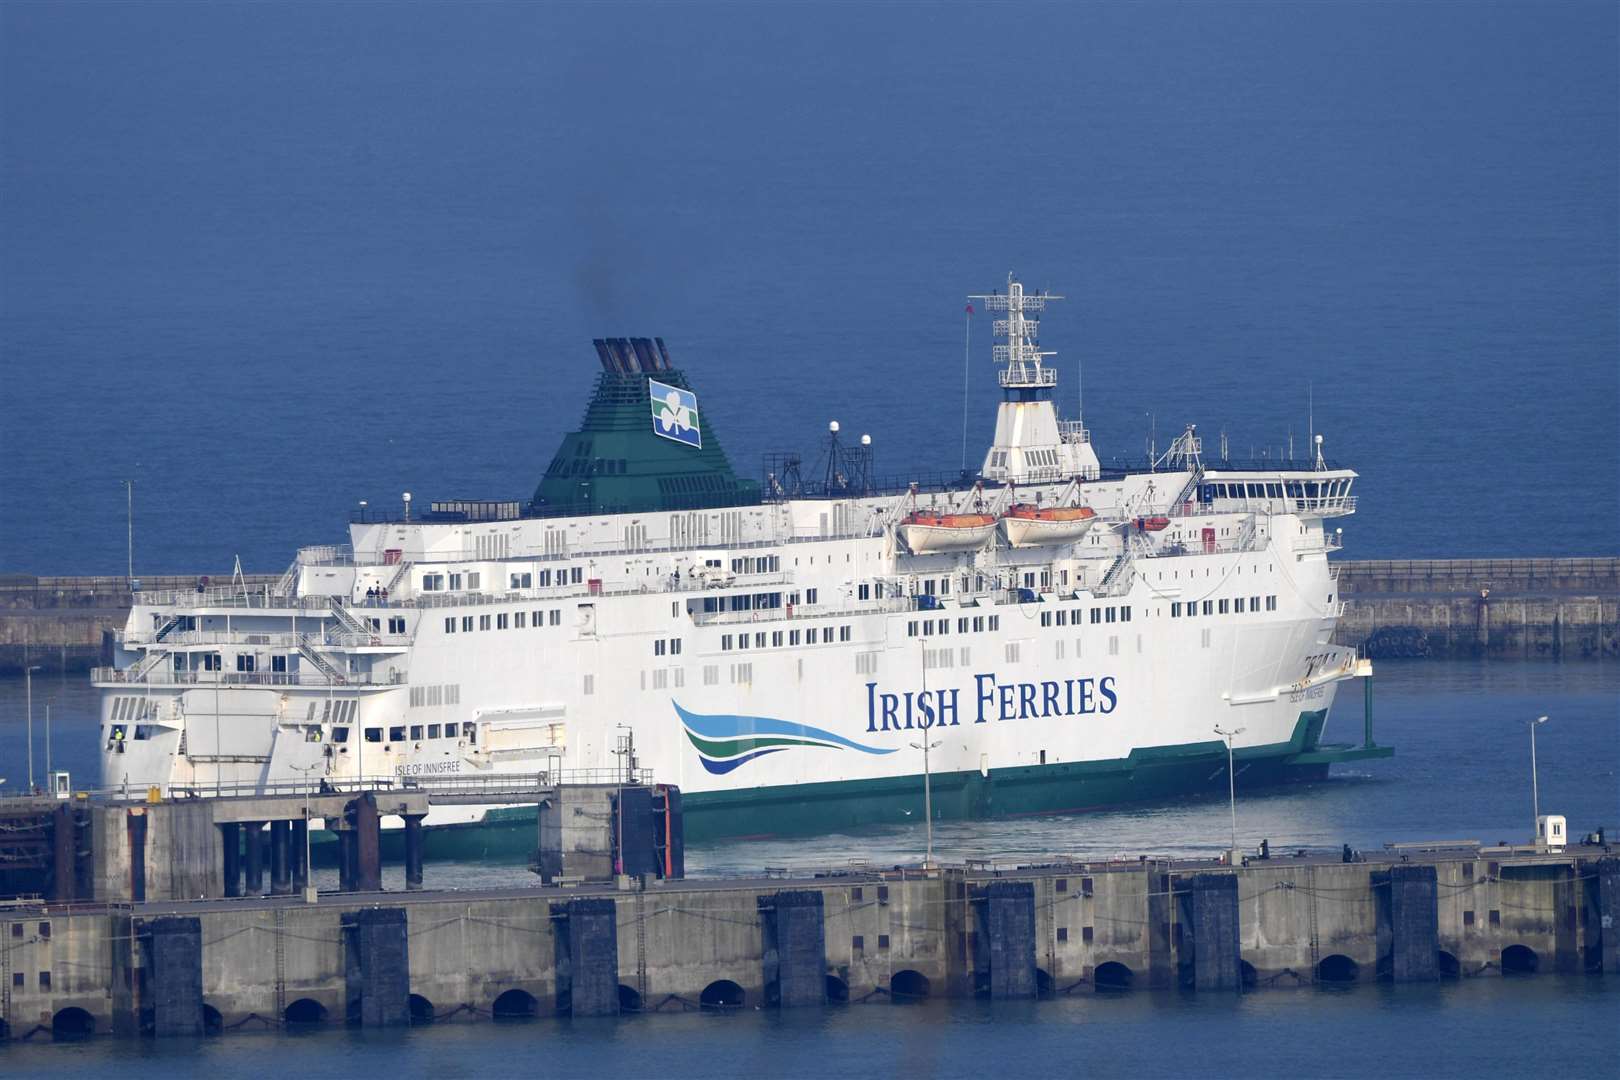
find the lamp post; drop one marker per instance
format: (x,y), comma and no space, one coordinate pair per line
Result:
(1535,792)
(926,745)
(1231,785)
(28,675)
(129,507)
(311,894)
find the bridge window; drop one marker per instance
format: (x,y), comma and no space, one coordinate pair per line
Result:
(246,662)
(374,734)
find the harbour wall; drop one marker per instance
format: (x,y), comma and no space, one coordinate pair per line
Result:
(1440,608)
(1557,609)
(380,959)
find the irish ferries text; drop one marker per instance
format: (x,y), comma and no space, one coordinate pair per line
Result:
(996,701)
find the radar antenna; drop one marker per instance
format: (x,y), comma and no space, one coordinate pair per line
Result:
(1025,369)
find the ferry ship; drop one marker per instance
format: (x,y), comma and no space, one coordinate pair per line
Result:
(1045,635)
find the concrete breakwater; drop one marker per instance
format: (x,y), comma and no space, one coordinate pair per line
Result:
(1498,608)
(1510,608)
(855,935)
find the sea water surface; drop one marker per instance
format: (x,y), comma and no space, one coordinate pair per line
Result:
(268,260)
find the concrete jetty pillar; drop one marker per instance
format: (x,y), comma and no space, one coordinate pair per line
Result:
(587,956)
(230,834)
(367,844)
(1161,960)
(253,857)
(64,853)
(376,967)
(794,961)
(1004,939)
(136,824)
(345,836)
(1212,920)
(413,851)
(1409,930)
(174,981)
(297,844)
(1608,882)
(280,865)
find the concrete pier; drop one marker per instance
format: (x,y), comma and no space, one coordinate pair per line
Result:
(380,959)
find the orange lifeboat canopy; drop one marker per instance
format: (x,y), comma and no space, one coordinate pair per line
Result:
(948,521)
(1030,512)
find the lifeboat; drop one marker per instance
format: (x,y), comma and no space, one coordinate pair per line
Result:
(1026,525)
(925,531)
(1152,524)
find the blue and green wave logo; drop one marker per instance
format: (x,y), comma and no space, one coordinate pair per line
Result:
(725,742)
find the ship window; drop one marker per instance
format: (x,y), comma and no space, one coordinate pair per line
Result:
(340,734)
(1046,618)
(374,734)
(466,624)
(396,734)
(501,621)
(843,633)
(416,732)
(545,578)
(826,635)
(742,641)
(658,647)
(995,622)
(518,619)
(432,582)
(1175,609)
(1274,491)
(674,646)
(1254,603)
(911,628)
(246,662)
(450,729)
(472,582)
(575,574)
(725,643)
(1125,613)
(1209,607)
(433,731)
(396,625)
(962,625)
(776,639)
(555,618)
(469,732)
(1063,618)
(483,622)
(1223,607)
(1110,614)
(1096,616)
(278,663)
(793,637)
(978,624)
(455,581)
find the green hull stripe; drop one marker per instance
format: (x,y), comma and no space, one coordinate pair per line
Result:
(1155,774)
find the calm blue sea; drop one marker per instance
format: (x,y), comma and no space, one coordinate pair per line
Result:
(266,260)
